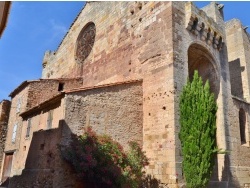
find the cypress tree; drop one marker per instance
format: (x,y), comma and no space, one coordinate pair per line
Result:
(198,132)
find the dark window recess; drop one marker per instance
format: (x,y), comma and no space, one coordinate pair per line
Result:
(42,146)
(60,86)
(242,121)
(28,128)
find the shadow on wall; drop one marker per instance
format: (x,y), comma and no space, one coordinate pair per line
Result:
(235,71)
(235,78)
(151,182)
(226,180)
(44,165)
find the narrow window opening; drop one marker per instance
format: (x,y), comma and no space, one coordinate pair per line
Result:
(220,43)
(242,121)
(202,27)
(42,146)
(195,23)
(208,34)
(50,119)
(18,105)
(60,86)
(13,139)
(28,128)
(214,39)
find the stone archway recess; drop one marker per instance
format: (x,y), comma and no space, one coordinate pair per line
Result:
(199,58)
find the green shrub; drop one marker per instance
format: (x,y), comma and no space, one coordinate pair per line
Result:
(102,161)
(198,132)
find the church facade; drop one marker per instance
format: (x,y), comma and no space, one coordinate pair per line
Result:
(120,69)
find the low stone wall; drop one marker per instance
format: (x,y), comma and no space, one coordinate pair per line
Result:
(113,110)
(44,165)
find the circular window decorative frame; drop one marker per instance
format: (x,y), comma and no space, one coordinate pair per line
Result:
(85,42)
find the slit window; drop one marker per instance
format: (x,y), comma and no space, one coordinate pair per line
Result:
(50,119)
(13,139)
(242,122)
(28,128)
(195,23)
(18,105)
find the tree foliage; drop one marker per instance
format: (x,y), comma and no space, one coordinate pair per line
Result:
(198,132)
(101,161)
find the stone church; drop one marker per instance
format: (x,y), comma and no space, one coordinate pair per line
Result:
(120,69)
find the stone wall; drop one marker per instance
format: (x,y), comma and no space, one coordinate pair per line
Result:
(38,122)
(43,90)
(215,11)
(239,152)
(4,117)
(113,110)
(238,57)
(14,118)
(196,33)
(37,162)
(161,44)
(134,40)
(33,94)
(44,165)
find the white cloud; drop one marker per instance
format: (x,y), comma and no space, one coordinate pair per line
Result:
(57,28)
(57,32)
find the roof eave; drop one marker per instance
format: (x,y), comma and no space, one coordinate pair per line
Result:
(3,22)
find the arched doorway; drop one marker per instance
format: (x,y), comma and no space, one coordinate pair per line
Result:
(199,58)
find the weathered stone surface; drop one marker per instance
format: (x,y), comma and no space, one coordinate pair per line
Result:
(4,117)
(114,110)
(158,44)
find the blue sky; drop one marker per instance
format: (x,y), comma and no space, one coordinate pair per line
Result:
(35,27)
(32,28)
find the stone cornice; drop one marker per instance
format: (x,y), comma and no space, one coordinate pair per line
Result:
(199,24)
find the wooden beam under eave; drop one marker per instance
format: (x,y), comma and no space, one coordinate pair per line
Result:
(4,13)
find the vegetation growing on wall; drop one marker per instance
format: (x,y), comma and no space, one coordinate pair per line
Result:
(101,161)
(198,132)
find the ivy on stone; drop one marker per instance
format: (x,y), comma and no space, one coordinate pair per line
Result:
(198,132)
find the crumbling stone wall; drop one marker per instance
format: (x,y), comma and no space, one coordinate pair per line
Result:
(43,90)
(112,110)
(44,166)
(4,117)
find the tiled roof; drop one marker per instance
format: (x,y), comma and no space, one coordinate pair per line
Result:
(46,104)
(27,82)
(101,86)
